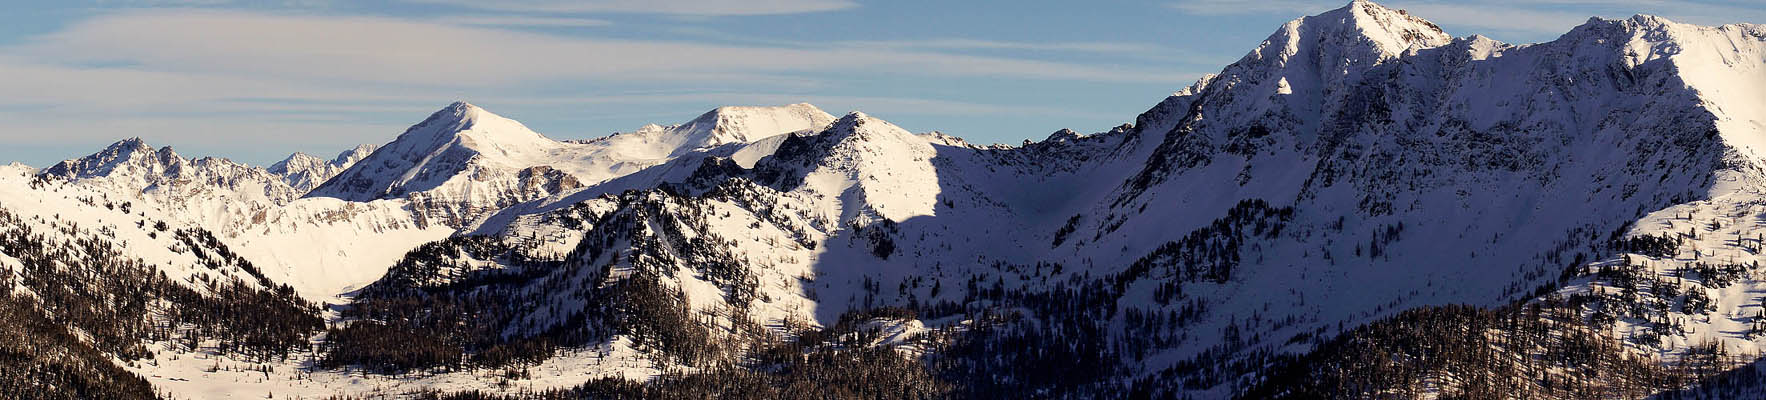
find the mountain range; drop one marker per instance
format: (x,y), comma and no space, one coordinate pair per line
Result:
(1361,206)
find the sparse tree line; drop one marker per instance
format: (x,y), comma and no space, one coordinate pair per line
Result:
(1209,254)
(1537,350)
(1002,353)
(1552,347)
(85,283)
(434,311)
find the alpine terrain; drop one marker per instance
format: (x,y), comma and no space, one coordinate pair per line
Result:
(1363,206)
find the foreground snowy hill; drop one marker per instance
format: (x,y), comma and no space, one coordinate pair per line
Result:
(1362,206)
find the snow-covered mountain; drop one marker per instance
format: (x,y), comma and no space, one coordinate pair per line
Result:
(321,247)
(1293,226)
(133,165)
(304,172)
(210,191)
(724,125)
(463,162)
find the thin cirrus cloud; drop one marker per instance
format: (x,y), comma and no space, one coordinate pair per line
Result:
(704,8)
(524,21)
(977,44)
(882,105)
(77,90)
(196,75)
(391,50)
(1239,7)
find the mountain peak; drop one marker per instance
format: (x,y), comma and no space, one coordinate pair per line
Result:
(472,126)
(304,172)
(301,161)
(129,144)
(462,106)
(859,126)
(741,124)
(853,135)
(1392,31)
(1308,58)
(458,139)
(295,161)
(125,148)
(352,155)
(459,115)
(166,154)
(1657,29)
(1360,33)
(851,122)
(1063,135)
(789,108)
(132,153)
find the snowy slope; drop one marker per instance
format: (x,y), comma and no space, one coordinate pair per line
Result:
(326,248)
(1650,296)
(1717,229)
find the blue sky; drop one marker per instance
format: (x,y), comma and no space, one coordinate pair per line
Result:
(254,80)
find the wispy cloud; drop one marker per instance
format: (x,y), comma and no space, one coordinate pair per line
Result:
(259,140)
(977,44)
(706,8)
(389,50)
(125,89)
(879,105)
(197,76)
(523,21)
(1240,7)
(162,3)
